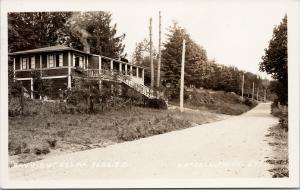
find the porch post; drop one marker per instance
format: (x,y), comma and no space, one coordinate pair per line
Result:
(31,88)
(14,68)
(131,70)
(69,69)
(41,73)
(41,63)
(100,65)
(143,74)
(137,72)
(126,69)
(87,62)
(111,65)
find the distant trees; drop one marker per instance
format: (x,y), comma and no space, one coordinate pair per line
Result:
(141,57)
(274,61)
(199,70)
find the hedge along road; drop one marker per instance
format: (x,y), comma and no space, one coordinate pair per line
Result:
(235,147)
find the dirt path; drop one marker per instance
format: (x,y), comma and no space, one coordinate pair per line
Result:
(235,147)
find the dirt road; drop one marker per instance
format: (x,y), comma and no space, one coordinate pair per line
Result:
(235,147)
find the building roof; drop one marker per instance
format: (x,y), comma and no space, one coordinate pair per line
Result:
(47,49)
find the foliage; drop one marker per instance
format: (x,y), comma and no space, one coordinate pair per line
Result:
(199,71)
(249,102)
(41,86)
(274,61)
(93,30)
(141,56)
(171,57)
(157,104)
(30,30)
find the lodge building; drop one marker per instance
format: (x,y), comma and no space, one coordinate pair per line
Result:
(59,64)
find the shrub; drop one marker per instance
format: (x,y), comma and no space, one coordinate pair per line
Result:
(52,142)
(283,123)
(249,102)
(157,104)
(41,150)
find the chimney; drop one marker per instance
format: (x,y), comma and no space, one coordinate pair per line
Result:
(86,47)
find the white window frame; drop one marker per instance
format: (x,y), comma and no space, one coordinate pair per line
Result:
(51,60)
(32,62)
(26,63)
(61,59)
(81,60)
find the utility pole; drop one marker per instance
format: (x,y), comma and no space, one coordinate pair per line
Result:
(243,81)
(182,76)
(159,52)
(253,92)
(151,56)
(265,95)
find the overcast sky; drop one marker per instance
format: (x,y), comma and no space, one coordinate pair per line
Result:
(232,32)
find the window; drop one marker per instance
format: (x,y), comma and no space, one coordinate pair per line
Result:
(78,61)
(24,63)
(32,62)
(55,60)
(51,61)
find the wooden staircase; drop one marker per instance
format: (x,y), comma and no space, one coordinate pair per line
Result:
(125,79)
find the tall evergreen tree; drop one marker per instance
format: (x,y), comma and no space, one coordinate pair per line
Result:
(171,57)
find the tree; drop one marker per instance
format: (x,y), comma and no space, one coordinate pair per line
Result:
(274,61)
(41,87)
(30,30)
(141,57)
(94,31)
(171,58)
(74,29)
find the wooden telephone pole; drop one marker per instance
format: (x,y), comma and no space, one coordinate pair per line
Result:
(253,92)
(243,81)
(159,52)
(182,76)
(151,56)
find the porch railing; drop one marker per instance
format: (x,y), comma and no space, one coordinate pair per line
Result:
(126,79)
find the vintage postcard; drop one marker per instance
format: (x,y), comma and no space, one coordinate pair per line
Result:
(170,93)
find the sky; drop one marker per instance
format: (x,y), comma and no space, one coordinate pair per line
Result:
(232,32)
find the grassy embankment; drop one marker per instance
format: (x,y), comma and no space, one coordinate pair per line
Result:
(219,102)
(47,132)
(279,141)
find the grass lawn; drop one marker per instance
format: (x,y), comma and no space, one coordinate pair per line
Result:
(34,137)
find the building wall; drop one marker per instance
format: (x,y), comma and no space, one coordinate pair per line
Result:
(55,72)
(23,74)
